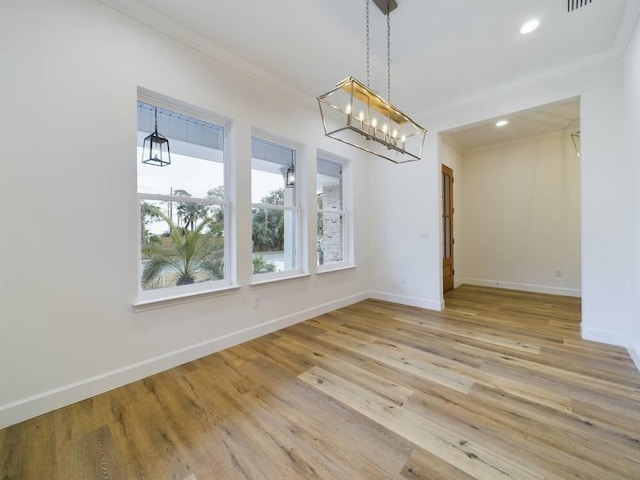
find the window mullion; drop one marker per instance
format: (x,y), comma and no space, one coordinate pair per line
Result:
(174,198)
(341,212)
(267,206)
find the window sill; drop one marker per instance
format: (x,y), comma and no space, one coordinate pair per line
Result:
(337,268)
(267,281)
(151,304)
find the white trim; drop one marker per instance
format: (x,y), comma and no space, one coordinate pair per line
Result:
(437,305)
(182,293)
(270,278)
(143,304)
(537,79)
(333,267)
(147,15)
(34,405)
(298,208)
(177,198)
(634,353)
(169,103)
(603,336)
(627,27)
(273,206)
(524,287)
(160,22)
(348,249)
(560,132)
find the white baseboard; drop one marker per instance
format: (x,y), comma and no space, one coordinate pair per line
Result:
(26,408)
(524,287)
(634,353)
(612,338)
(603,336)
(405,300)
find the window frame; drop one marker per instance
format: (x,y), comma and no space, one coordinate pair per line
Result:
(179,293)
(299,248)
(346,212)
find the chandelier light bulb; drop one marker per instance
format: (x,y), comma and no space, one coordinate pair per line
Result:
(374,122)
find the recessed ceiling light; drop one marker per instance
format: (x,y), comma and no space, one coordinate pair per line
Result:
(530,26)
(502,123)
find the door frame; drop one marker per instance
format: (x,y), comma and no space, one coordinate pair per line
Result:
(447,261)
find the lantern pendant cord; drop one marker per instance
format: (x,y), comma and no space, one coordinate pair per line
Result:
(388,56)
(368,62)
(388,51)
(156,115)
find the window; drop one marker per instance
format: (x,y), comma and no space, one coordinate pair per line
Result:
(275,210)
(183,223)
(333,241)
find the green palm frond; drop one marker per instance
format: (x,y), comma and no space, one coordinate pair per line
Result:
(214,264)
(191,252)
(153,268)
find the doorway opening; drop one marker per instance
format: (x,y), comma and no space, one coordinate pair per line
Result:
(517,197)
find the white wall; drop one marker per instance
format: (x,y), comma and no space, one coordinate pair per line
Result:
(632,132)
(70,73)
(521,217)
(406,235)
(410,202)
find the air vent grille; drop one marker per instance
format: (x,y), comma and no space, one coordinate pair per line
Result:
(575,4)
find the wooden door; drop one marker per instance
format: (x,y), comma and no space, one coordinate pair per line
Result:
(447,227)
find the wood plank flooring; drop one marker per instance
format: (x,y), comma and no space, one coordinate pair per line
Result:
(498,386)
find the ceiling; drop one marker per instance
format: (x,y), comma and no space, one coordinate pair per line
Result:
(443,52)
(553,117)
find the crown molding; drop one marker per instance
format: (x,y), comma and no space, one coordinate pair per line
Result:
(514,141)
(158,21)
(628,26)
(452,142)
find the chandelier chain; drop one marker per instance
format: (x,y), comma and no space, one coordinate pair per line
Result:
(368,60)
(388,56)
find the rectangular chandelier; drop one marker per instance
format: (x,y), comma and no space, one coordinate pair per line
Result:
(353,114)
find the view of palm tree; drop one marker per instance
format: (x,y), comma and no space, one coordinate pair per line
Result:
(190,250)
(186,244)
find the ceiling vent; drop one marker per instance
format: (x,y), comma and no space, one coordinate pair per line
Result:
(575,4)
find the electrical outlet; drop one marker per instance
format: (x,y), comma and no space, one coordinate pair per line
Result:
(256,302)
(558,273)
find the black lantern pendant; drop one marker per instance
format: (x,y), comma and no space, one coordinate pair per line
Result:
(155,148)
(291,174)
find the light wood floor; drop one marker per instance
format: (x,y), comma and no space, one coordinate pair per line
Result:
(500,385)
